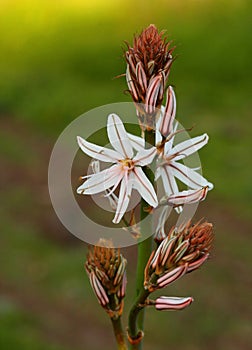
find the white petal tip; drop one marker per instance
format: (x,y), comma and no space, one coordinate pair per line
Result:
(210,186)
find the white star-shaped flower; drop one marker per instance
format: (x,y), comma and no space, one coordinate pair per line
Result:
(125,170)
(169,168)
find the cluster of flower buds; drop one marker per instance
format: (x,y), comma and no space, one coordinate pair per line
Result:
(106,269)
(148,67)
(183,250)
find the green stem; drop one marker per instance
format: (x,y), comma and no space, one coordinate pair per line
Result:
(136,318)
(119,334)
(144,250)
(137,307)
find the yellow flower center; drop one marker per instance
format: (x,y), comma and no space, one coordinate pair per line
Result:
(127,163)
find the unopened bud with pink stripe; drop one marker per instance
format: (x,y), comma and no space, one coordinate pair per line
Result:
(172,303)
(168,116)
(187,197)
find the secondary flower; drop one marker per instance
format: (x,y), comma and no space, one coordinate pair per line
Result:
(125,170)
(169,167)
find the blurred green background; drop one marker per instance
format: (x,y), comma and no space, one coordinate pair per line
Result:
(57,60)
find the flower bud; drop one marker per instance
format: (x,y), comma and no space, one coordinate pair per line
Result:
(183,250)
(106,269)
(167,118)
(148,66)
(172,303)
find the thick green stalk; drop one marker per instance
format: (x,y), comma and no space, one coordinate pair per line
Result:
(117,325)
(137,313)
(119,334)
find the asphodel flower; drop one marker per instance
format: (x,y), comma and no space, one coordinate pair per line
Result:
(170,168)
(183,250)
(106,269)
(126,169)
(169,165)
(148,66)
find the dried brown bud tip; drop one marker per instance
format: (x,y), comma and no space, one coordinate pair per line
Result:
(148,67)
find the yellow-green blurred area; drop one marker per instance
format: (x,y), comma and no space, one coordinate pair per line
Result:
(58,59)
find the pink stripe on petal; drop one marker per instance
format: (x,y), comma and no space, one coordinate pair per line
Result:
(188,197)
(196,264)
(172,303)
(169,182)
(154,260)
(189,147)
(168,249)
(123,200)
(160,230)
(166,125)
(98,152)
(143,185)
(121,291)
(98,289)
(141,76)
(152,94)
(172,276)
(137,142)
(131,85)
(188,176)
(118,136)
(145,156)
(100,182)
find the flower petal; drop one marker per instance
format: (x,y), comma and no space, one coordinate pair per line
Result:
(169,182)
(137,142)
(188,197)
(189,147)
(98,152)
(122,289)
(172,276)
(145,156)
(98,289)
(118,136)
(153,92)
(188,176)
(131,84)
(141,76)
(196,264)
(171,137)
(172,303)
(160,234)
(143,185)
(101,181)
(167,118)
(123,200)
